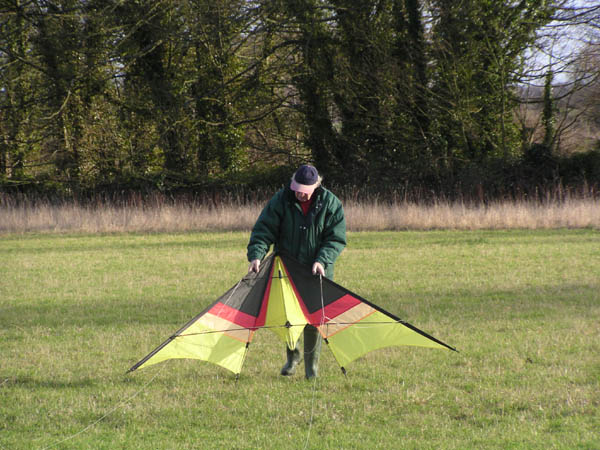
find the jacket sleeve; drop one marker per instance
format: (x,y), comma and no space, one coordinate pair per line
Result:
(266,229)
(333,239)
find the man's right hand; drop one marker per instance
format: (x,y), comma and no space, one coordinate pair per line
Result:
(254,266)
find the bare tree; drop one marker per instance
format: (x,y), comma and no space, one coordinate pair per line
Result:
(568,47)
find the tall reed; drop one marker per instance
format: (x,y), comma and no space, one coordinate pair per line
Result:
(181,216)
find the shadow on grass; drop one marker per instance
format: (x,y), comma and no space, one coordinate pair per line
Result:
(453,238)
(98,316)
(123,242)
(456,306)
(29,382)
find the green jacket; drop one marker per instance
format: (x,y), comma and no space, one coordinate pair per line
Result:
(319,235)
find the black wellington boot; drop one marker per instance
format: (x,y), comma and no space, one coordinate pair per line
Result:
(312,351)
(293,359)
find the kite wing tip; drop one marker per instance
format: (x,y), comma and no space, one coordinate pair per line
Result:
(452,348)
(132,368)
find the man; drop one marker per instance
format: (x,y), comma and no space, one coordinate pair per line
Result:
(305,221)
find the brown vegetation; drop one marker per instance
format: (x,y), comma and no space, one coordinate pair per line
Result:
(361,216)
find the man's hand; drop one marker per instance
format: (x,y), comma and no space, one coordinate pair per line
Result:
(254,266)
(318,269)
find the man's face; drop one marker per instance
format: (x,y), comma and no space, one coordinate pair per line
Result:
(302,197)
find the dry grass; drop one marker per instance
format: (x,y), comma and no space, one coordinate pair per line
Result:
(100,219)
(371,216)
(582,213)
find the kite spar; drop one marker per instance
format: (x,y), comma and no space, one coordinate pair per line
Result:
(285,297)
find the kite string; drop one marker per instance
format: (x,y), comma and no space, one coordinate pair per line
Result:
(123,402)
(312,406)
(233,292)
(119,405)
(249,330)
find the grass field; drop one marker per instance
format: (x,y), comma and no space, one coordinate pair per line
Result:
(523,308)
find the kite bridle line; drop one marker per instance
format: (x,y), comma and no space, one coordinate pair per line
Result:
(312,403)
(268,327)
(237,375)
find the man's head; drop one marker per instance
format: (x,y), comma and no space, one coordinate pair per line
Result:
(304,182)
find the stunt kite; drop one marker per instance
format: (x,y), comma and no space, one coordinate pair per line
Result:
(284,297)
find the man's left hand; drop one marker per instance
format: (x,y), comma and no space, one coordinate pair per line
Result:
(318,269)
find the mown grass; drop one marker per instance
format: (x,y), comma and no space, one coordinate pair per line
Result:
(523,308)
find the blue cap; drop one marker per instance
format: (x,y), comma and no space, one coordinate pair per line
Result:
(305,179)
